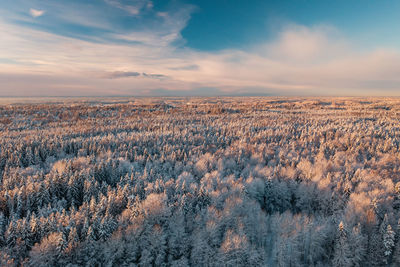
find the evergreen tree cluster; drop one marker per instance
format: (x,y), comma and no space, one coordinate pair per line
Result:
(201,182)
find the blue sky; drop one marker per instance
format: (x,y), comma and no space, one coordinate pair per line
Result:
(224,23)
(221,47)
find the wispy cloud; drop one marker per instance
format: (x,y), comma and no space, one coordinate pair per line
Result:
(129,74)
(36,12)
(154,76)
(186,67)
(121,74)
(152,58)
(133,7)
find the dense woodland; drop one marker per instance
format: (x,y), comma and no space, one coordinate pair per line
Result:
(200,182)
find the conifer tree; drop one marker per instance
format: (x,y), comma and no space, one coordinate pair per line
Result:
(388,243)
(342,253)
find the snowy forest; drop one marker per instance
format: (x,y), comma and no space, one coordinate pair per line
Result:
(239,181)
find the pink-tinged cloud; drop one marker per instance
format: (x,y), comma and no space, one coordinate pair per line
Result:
(300,61)
(36,12)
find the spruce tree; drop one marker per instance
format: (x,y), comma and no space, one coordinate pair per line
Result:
(342,253)
(388,243)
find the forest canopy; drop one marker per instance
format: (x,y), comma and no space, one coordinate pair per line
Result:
(201,182)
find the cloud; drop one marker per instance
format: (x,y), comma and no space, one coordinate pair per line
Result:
(186,67)
(149,5)
(127,74)
(36,12)
(154,76)
(134,7)
(121,74)
(166,30)
(300,44)
(162,14)
(316,60)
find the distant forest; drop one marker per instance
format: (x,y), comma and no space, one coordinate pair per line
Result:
(201,182)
